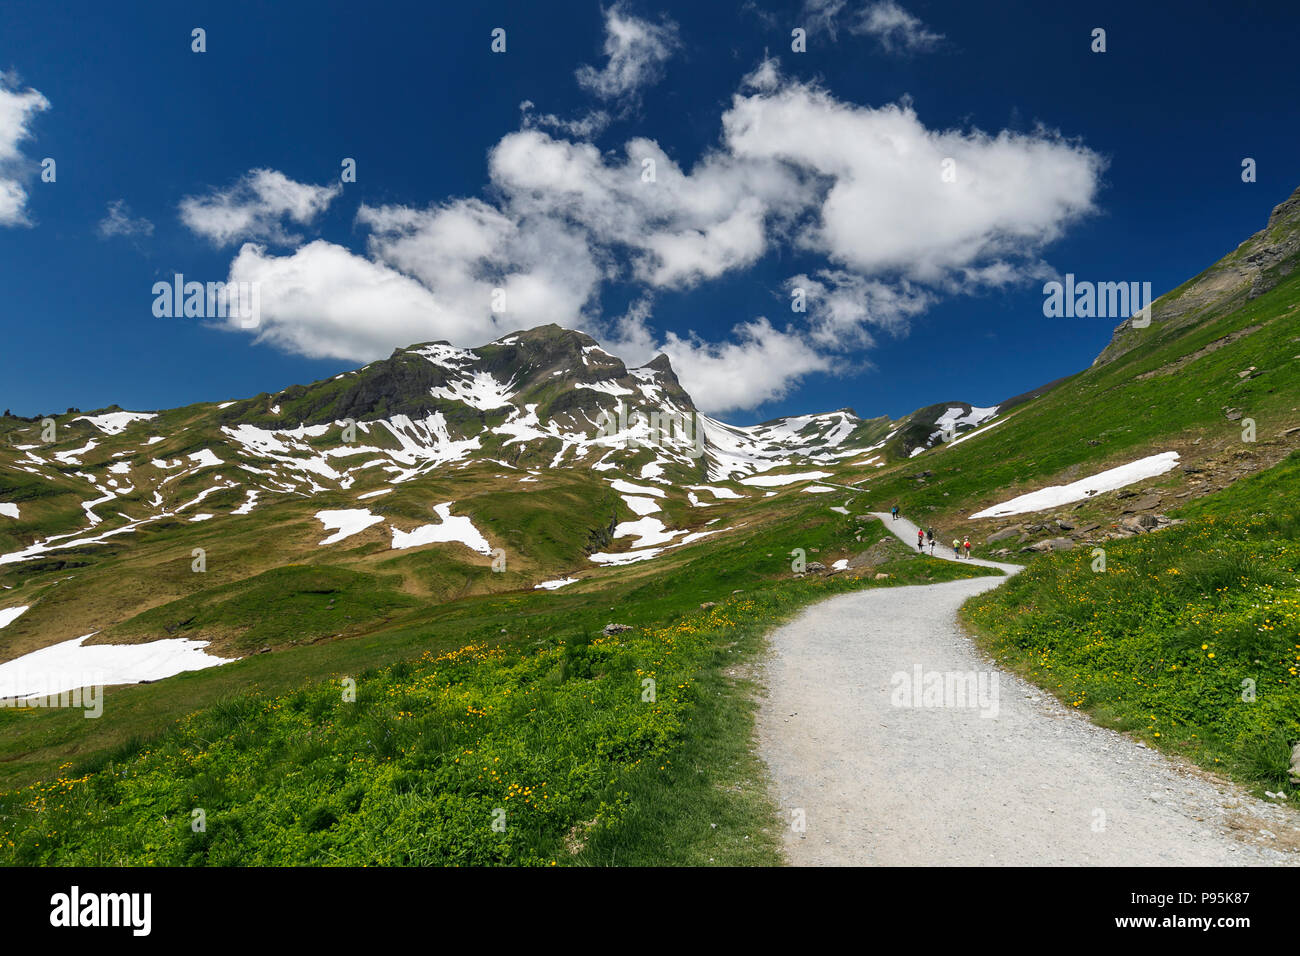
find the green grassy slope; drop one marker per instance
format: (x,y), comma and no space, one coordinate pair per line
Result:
(1189,638)
(545,718)
(1151,399)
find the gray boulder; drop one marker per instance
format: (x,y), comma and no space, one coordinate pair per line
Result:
(1051,544)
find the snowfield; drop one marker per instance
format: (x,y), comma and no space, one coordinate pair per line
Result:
(774,481)
(552,585)
(979,431)
(455,528)
(1110,480)
(346,523)
(70,664)
(114,423)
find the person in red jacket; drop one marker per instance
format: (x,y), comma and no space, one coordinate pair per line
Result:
(920,539)
(966,545)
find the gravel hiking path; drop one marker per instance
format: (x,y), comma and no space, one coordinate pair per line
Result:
(1037,783)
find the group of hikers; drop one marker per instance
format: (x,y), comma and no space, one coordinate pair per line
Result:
(926,536)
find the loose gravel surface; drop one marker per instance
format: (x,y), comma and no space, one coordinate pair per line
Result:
(865,776)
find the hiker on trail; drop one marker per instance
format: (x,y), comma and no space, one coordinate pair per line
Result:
(895,512)
(920,539)
(956,548)
(932,544)
(967,547)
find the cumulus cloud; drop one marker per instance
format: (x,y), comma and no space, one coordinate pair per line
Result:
(758,364)
(118,222)
(677,227)
(324,302)
(474,256)
(635,51)
(255,208)
(899,214)
(17,109)
(909,200)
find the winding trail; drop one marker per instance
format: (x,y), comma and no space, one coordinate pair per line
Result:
(1032,783)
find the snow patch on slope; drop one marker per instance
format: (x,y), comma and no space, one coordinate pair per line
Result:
(452,528)
(1109,480)
(114,423)
(346,523)
(71,664)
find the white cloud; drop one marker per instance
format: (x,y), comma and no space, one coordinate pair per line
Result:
(587,126)
(888,209)
(118,222)
(679,229)
(843,306)
(635,49)
(822,16)
(17,108)
(758,364)
(896,29)
(255,208)
(463,251)
(324,302)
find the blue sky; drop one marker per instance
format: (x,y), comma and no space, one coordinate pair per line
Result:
(774,170)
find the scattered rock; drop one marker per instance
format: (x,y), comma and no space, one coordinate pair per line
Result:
(1051,544)
(1003,534)
(1232,414)
(878,553)
(1295,764)
(616,628)
(1149,503)
(708,604)
(880,576)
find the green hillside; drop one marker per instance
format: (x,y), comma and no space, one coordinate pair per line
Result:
(547,719)
(1189,639)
